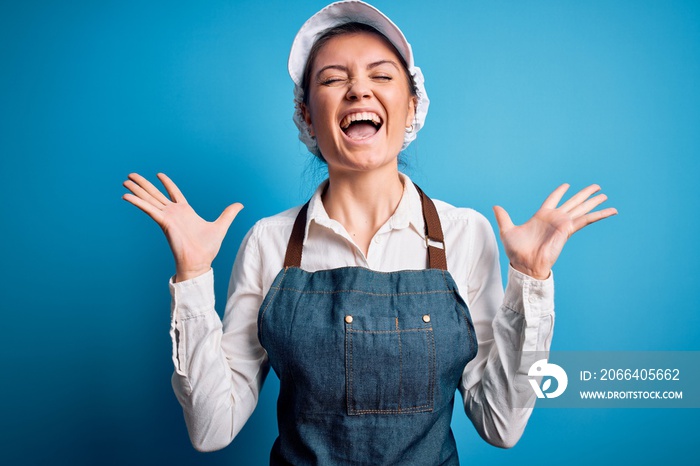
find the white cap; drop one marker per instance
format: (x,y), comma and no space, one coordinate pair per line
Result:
(336,14)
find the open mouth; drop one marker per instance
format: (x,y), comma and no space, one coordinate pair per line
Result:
(361,125)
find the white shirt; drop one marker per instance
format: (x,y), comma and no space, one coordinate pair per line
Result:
(220,367)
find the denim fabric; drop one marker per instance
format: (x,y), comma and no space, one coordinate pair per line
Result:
(368,364)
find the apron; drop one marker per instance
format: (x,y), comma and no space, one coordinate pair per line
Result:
(368,361)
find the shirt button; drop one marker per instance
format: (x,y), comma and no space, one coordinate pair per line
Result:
(426,318)
(377,240)
(532,298)
(348,319)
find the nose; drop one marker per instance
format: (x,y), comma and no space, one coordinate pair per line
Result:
(358,89)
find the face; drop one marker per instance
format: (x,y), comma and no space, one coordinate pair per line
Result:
(359,103)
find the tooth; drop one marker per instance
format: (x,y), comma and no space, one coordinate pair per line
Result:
(360,116)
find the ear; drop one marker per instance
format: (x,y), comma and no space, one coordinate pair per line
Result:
(307,118)
(411,115)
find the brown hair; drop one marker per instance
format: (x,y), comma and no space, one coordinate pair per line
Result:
(349,28)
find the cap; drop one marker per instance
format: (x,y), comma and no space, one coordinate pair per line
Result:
(336,14)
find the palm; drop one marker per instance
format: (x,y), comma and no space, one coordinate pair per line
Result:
(194,241)
(191,238)
(534,246)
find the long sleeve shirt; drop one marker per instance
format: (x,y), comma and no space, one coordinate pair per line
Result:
(220,366)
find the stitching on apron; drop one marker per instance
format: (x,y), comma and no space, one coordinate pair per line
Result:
(400,362)
(348,375)
(272,298)
(391,331)
(415,409)
(444,279)
(363,292)
(431,386)
(472,337)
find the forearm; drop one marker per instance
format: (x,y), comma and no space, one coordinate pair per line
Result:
(202,381)
(497,403)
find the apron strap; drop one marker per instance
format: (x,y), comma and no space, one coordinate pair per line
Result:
(434,238)
(296,241)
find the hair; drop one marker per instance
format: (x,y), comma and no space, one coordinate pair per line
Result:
(349,28)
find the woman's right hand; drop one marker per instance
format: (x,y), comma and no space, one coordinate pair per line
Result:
(193,241)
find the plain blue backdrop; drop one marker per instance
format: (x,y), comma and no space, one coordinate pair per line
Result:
(525,95)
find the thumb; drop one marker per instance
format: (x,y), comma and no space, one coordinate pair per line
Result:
(503,219)
(227,216)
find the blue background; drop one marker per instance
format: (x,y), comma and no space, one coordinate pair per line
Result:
(525,95)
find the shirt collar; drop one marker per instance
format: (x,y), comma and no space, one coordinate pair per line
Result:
(409,212)
(410,209)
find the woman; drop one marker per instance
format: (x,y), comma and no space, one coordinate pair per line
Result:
(372,303)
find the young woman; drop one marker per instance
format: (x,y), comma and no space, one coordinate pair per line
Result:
(372,302)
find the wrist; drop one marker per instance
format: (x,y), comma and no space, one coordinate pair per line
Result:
(189,274)
(533,273)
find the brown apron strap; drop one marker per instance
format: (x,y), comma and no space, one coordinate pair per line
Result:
(434,238)
(296,240)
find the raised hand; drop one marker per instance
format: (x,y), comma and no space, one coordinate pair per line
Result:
(193,241)
(534,246)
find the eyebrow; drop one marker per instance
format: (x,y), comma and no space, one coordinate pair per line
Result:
(369,67)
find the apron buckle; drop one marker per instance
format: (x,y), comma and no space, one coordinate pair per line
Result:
(434,243)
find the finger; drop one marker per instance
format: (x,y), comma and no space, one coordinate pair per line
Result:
(227,216)
(148,187)
(554,198)
(173,191)
(153,212)
(587,206)
(503,219)
(593,217)
(142,194)
(579,197)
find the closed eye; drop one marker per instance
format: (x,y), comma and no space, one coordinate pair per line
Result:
(331,81)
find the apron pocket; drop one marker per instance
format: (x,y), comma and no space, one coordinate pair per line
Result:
(389,371)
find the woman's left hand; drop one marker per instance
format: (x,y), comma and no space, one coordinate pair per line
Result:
(534,246)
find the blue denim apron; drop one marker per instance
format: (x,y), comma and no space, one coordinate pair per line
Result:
(368,361)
